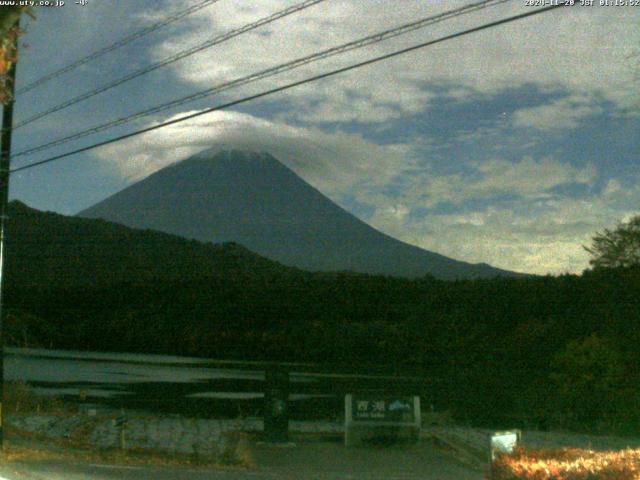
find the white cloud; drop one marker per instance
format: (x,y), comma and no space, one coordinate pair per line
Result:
(333,163)
(613,187)
(537,237)
(564,50)
(399,212)
(528,178)
(536,231)
(558,115)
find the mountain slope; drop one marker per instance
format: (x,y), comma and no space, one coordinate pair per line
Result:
(52,251)
(253,199)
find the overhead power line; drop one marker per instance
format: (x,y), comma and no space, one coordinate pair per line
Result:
(114,46)
(272,71)
(293,85)
(169,60)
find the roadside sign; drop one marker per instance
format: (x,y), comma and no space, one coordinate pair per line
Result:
(366,416)
(383,409)
(503,442)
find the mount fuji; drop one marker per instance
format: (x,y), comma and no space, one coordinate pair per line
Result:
(253,199)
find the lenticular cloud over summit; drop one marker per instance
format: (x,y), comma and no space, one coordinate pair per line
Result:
(330,162)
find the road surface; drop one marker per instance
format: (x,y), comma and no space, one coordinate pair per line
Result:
(312,461)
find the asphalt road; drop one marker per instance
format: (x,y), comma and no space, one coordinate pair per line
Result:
(313,461)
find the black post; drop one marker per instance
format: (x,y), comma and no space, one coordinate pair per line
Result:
(276,405)
(5,166)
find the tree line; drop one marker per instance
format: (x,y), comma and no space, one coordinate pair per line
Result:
(533,351)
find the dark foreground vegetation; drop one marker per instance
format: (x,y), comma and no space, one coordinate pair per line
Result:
(539,351)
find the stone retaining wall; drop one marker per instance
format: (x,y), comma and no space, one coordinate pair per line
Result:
(168,434)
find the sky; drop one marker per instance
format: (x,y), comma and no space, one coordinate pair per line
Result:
(512,146)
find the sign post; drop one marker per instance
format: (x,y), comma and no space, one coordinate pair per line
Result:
(502,442)
(276,405)
(121,423)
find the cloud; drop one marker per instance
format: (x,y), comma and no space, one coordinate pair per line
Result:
(559,114)
(559,51)
(535,231)
(544,236)
(333,163)
(528,178)
(508,214)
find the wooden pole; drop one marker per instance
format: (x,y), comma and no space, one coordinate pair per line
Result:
(5,166)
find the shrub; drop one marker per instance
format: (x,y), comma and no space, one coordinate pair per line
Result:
(235,450)
(19,398)
(587,377)
(568,464)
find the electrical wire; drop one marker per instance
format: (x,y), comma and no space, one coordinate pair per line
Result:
(294,84)
(169,60)
(269,72)
(114,46)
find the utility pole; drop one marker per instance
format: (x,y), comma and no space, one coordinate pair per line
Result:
(5,166)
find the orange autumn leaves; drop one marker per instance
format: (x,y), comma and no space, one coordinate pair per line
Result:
(568,464)
(8,36)
(7,57)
